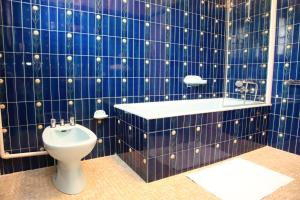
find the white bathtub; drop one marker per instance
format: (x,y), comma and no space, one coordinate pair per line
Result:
(163,109)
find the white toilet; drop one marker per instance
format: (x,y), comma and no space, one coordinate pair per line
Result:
(68,145)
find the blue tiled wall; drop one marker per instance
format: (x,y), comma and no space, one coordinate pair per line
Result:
(162,147)
(63,58)
(285,115)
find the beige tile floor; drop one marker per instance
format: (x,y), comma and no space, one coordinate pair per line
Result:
(108,178)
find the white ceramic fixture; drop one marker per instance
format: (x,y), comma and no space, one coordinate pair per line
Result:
(192,80)
(100,114)
(68,145)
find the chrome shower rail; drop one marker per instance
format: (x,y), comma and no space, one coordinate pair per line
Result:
(292,82)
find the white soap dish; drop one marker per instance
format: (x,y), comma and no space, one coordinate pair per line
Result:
(100,114)
(192,80)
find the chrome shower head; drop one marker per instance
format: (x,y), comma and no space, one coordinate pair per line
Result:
(249,20)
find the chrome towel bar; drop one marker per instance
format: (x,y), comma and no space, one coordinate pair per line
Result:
(292,82)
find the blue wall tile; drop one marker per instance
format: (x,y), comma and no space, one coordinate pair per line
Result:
(284,123)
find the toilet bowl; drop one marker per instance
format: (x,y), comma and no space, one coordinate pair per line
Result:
(68,145)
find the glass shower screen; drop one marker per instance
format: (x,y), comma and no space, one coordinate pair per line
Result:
(247,51)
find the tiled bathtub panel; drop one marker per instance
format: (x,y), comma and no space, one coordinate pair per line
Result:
(211,132)
(163,142)
(122,131)
(197,140)
(208,119)
(134,120)
(132,136)
(163,166)
(133,158)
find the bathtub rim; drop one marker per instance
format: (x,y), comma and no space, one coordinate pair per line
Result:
(123,108)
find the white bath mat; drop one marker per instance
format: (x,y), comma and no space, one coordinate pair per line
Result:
(239,179)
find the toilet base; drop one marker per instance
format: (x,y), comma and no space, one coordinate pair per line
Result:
(69,177)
